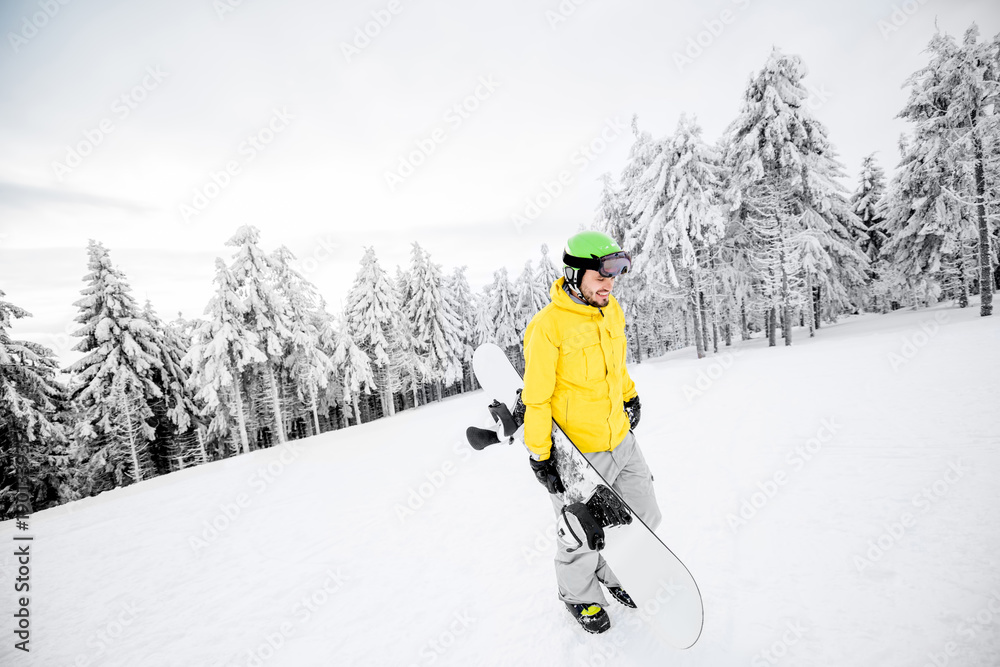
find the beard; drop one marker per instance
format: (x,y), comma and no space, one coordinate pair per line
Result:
(593,299)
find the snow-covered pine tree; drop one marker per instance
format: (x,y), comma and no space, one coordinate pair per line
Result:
(31,403)
(427,313)
(679,218)
(501,314)
(547,273)
(617,216)
(695,214)
(483,329)
(407,362)
(352,366)
(954,103)
(222,350)
(772,252)
(119,345)
(460,332)
(373,314)
(128,426)
(871,189)
(267,314)
(632,292)
(305,365)
(865,202)
(612,217)
(175,413)
(919,220)
(776,137)
(531,297)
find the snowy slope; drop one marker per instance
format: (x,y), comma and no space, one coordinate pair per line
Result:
(392,543)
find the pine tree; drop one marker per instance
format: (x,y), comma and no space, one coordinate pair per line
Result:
(618,215)
(305,363)
(121,347)
(919,220)
(612,217)
(531,297)
(267,314)
(223,350)
(461,315)
(175,413)
(407,362)
(33,443)
(352,366)
(426,312)
(777,147)
(953,102)
(373,315)
(679,218)
(501,315)
(865,201)
(547,272)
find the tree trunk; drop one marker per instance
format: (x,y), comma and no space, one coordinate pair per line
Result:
(130,432)
(809,314)
(201,446)
(985,268)
(240,416)
(279,426)
(695,315)
(744,325)
(817,305)
(704,320)
(315,409)
(963,285)
(388,402)
(715,324)
(687,336)
(772,326)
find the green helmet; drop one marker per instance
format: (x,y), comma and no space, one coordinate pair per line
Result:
(595,251)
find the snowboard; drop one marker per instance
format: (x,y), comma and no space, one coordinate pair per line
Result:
(666,595)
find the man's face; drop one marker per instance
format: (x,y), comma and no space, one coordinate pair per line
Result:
(595,288)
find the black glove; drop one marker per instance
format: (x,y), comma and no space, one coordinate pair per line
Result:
(608,509)
(546,473)
(632,409)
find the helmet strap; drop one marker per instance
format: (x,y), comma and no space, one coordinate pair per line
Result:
(573,279)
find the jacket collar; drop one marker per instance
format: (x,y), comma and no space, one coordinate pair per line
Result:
(563,300)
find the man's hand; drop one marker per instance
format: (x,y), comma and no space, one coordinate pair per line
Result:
(632,409)
(546,473)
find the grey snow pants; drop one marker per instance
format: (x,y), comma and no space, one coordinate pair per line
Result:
(578,573)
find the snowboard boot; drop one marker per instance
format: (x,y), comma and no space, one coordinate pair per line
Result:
(618,593)
(591,617)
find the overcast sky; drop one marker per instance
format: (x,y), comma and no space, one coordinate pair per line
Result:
(158,127)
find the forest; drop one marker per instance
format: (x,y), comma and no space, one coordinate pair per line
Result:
(756,233)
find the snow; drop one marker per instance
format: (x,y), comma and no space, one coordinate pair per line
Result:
(331,554)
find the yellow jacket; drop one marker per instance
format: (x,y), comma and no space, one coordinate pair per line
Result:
(575,373)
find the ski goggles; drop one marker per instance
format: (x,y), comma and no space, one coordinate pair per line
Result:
(609,266)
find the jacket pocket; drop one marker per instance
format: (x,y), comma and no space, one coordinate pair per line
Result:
(582,357)
(618,349)
(596,368)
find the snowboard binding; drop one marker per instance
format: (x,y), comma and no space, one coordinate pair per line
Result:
(584,523)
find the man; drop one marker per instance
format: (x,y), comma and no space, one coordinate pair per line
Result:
(574,352)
